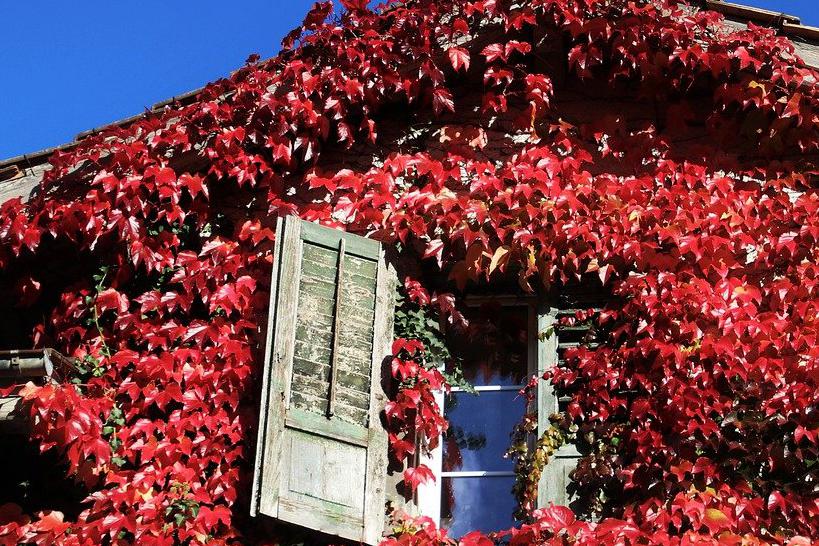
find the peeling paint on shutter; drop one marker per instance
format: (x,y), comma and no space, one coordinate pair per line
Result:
(555,482)
(321,455)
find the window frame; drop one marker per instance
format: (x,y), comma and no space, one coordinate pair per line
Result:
(541,355)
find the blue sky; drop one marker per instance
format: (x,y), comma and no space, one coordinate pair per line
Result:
(71,66)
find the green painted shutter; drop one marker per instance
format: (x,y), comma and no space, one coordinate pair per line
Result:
(322,450)
(555,483)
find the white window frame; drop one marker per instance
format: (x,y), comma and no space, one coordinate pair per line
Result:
(542,354)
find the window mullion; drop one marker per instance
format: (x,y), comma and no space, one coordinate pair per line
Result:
(477,473)
(428,495)
(490,388)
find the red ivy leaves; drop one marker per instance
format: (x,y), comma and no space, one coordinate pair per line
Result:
(354,5)
(707,378)
(48,527)
(494,52)
(417,475)
(459,58)
(414,416)
(442,101)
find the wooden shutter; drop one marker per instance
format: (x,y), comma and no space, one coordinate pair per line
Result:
(322,451)
(555,483)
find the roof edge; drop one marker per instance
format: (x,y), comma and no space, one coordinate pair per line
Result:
(755,15)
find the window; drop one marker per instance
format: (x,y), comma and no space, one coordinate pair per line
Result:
(473,488)
(321,459)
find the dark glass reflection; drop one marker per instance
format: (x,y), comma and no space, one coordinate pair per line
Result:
(479,429)
(493,350)
(477,504)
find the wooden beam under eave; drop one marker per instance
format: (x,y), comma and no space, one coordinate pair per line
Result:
(23,184)
(809,53)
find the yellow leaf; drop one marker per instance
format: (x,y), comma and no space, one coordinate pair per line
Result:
(756,85)
(145,495)
(716,516)
(499,258)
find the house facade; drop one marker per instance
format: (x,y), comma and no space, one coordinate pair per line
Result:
(586,227)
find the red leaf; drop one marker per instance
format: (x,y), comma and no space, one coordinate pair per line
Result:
(401,447)
(435,248)
(475,538)
(459,58)
(404,369)
(411,346)
(515,46)
(442,100)
(415,476)
(493,52)
(354,5)
(110,299)
(317,14)
(194,184)
(162,176)
(213,516)
(556,517)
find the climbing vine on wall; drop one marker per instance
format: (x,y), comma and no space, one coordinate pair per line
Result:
(704,390)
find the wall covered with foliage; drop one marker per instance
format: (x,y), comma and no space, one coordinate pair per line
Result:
(146,255)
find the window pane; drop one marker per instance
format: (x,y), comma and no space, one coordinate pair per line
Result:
(477,504)
(494,348)
(480,426)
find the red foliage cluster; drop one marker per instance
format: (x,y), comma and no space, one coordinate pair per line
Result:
(702,399)
(414,417)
